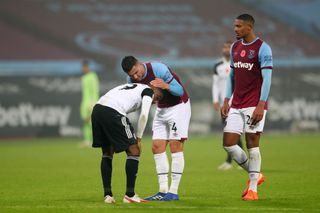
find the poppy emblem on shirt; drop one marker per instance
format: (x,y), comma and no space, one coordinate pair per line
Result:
(251,54)
(243,53)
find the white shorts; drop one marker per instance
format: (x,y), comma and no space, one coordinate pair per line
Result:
(238,120)
(172,123)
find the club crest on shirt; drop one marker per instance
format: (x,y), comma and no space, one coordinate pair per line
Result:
(243,53)
(251,54)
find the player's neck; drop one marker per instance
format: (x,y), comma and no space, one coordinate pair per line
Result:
(249,38)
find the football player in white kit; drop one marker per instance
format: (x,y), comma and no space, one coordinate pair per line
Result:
(113,132)
(221,71)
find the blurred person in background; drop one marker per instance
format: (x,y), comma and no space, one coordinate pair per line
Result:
(90,95)
(249,85)
(221,71)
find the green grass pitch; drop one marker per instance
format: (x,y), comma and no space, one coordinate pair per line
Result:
(55,175)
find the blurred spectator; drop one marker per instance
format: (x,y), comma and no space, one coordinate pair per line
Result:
(221,71)
(90,95)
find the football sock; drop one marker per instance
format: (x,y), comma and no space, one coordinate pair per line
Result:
(162,167)
(176,171)
(229,158)
(132,165)
(238,155)
(106,173)
(254,167)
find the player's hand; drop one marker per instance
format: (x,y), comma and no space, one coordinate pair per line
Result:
(216,106)
(139,143)
(258,113)
(225,109)
(160,83)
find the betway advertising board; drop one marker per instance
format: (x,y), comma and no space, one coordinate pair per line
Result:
(40,106)
(49,106)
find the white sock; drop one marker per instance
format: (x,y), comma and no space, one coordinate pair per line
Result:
(238,155)
(162,167)
(254,167)
(176,171)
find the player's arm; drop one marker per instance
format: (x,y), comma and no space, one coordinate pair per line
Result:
(147,96)
(266,63)
(165,80)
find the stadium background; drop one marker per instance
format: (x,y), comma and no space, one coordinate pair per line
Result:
(43,42)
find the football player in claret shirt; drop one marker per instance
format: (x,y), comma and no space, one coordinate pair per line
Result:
(249,85)
(170,124)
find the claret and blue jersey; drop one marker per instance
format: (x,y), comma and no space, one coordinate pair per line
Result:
(250,76)
(177,93)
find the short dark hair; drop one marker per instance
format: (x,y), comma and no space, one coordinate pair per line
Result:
(247,18)
(128,62)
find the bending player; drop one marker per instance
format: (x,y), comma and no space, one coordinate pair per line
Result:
(112,131)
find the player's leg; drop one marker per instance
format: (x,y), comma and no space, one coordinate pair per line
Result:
(177,168)
(231,136)
(159,144)
(179,119)
(252,140)
(132,165)
(87,133)
(101,120)
(162,165)
(86,127)
(254,164)
(106,171)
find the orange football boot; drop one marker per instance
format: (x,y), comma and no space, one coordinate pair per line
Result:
(251,195)
(260,180)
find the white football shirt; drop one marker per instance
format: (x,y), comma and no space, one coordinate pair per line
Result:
(125,98)
(221,71)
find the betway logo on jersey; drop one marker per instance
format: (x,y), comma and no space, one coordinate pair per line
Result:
(239,64)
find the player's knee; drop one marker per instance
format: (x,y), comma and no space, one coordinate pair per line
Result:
(252,140)
(230,139)
(176,146)
(107,151)
(134,150)
(158,148)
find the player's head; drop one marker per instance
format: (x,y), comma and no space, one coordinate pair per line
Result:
(226,48)
(85,66)
(243,25)
(157,94)
(132,67)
